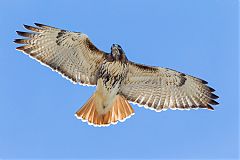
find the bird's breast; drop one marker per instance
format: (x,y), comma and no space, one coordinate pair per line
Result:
(112,73)
(110,77)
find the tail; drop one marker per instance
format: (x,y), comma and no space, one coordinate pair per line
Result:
(120,111)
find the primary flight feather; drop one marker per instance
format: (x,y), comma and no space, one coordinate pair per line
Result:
(118,80)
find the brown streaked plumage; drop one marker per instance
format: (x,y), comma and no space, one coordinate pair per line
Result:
(118,80)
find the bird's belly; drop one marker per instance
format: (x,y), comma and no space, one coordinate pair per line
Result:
(110,77)
(105,96)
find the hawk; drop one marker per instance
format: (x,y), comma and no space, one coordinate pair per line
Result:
(118,80)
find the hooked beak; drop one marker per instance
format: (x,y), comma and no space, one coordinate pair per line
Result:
(114,46)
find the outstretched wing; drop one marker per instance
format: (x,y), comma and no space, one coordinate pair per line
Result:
(71,54)
(160,89)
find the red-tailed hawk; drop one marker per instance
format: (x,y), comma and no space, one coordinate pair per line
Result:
(118,80)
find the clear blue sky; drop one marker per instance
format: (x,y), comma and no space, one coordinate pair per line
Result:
(198,37)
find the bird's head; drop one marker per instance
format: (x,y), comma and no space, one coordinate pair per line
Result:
(118,53)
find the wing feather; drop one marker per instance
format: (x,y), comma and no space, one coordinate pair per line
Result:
(162,88)
(71,54)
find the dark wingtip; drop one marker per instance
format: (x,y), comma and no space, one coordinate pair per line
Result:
(39,24)
(20,48)
(211,89)
(19,41)
(21,33)
(204,82)
(210,107)
(25,34)
(213,102)
(213,96)
(31,28)
(26,26)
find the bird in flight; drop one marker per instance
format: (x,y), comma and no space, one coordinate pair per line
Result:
(118,80)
